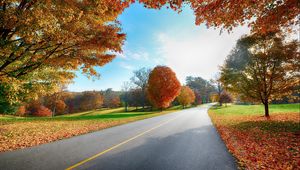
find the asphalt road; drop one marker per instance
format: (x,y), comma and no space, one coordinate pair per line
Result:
(184,140)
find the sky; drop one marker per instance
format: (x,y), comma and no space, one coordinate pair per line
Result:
(163,37)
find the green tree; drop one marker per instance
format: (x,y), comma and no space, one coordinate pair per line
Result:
(204,87)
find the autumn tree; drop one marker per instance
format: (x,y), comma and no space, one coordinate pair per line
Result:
(42,43)
(262,16)
(225,97)
(111,98)
(271,70)
(163,86)
(198,97)
(215,97)
(186,96)
(60,107)
(90,100)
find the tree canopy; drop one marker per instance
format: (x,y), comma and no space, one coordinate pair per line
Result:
(186,96)
(262,16)
(163,86)
(42,42)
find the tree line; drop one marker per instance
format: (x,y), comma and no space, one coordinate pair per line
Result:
(146,90)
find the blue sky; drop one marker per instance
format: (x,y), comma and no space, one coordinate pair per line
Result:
(163,37)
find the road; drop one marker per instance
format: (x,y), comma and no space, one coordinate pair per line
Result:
(183,140)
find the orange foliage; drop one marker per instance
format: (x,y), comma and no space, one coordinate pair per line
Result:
(186,96)
(115,102)
(261,143)
(163,86)
(60,106)
(42,111)
(21,111)
(262,16)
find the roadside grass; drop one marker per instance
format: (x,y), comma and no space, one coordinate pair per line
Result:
(22,132)
(255,109)
(258,142)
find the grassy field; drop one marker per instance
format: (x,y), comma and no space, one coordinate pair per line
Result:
(21,132)
(258,142)
(256,109)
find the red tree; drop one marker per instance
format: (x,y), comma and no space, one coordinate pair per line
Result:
(163,86)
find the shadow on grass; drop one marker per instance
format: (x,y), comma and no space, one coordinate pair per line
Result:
(215,107)
(273,126)
(104,116)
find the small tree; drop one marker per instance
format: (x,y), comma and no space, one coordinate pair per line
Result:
(186,96)
(60,106)
(163,86)
(225,98)
(198,98)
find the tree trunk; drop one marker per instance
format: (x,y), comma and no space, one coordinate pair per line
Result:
(266,104)
(53,112)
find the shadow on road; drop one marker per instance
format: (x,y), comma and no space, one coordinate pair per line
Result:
(198,148)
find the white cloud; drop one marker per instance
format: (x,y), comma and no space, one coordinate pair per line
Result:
(139,55)
(126,66)
(197,53)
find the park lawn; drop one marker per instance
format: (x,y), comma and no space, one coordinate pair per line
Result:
(22,132)
(258,142)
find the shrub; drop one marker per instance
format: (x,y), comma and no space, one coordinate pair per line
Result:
(21,111)
(42,111)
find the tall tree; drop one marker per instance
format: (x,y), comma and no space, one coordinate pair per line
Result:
(186,96)
(140,79)
(163,86)
(125,94)
(218,85)
(271,72)
(42,42)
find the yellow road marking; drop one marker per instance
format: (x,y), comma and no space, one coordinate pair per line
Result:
(120,144)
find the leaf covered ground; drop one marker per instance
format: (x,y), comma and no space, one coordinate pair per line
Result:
(19,132)
(258,142)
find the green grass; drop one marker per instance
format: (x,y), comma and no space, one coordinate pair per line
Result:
(101,114)
(255,109)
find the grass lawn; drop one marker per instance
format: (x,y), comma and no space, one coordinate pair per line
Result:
(258,142)
(21,132)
